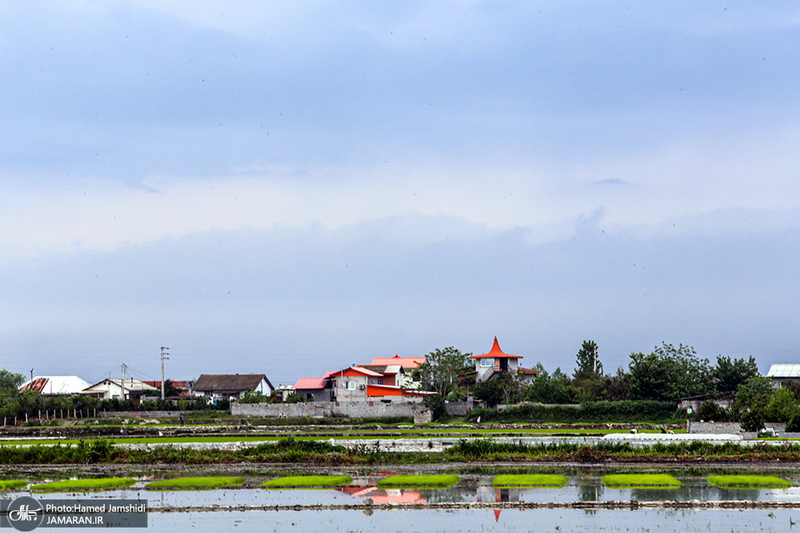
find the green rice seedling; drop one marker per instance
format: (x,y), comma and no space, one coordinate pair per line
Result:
(307,482)
(7,484)
(84,484)
(195,483)
(420,481)
(748,482)
(626,481)
(529,480)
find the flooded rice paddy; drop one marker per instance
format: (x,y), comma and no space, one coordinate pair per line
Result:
(471,505)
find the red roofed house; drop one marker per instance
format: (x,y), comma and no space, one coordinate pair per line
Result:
(315,389)
(359,384)
(497,361)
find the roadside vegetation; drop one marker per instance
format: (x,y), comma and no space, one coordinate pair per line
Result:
(195,483)
(83,484)
(748,482)
(419,481)
(290,482)
(9,484)
(529,480)
(626,481)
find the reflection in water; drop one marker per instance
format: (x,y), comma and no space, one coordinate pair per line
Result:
(589,491)
(380,496)
(402,521)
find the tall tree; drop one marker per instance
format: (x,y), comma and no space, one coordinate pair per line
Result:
(587,362)
(10,381)
(751,401)
(441,369)
(730,373)
(669,373)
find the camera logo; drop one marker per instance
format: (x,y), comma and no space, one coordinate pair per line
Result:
(25,514)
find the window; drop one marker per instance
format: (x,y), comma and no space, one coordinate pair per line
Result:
(487,361)
(350,385)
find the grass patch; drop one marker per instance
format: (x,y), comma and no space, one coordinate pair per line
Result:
(307,482)
(195,483)
(7,484)
(529,480)
(84,484)
(627,481)
(748,482)
(421,481)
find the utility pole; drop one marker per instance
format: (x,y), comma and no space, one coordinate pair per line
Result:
(164,354)
(31,375)
(123,381)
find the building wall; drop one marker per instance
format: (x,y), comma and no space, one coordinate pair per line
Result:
(483,372)
(318,395)
(343,394)
(359,409)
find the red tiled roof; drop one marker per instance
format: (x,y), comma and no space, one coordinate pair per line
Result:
(350,371)
(405,362)
(496,352)
(310,383)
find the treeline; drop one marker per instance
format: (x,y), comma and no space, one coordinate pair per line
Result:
(664,375)
(648,390)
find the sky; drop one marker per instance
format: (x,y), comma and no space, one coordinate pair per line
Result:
(291,188)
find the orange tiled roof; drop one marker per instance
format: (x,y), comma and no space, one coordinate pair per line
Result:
(496,352)
(405,362)
(310,383)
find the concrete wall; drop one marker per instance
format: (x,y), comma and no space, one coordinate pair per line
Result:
(360,409)
(461,408)
(139,414)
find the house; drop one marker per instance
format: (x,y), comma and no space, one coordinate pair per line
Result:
(113,388)
(362,384)
(314,389)
(231,386)
(53,385)
(398,371)
(496,362)
(392,374)
(284,391)
(784,373)
(692,403)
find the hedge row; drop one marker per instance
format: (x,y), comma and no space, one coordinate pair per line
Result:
(605,411)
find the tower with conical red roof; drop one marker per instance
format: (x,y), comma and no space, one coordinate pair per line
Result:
(496,361)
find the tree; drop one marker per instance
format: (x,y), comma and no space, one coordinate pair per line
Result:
(10,381)
(782,406)
(549,389)
(502,388)
(587,362)
(669,373)
(730,373)
(750,402)
(170,390)
(441,369)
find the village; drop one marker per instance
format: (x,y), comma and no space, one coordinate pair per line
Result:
(386,386)
(403,387)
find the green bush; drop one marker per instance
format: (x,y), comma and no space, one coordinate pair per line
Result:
(709,410)
(603,411)
(793,425)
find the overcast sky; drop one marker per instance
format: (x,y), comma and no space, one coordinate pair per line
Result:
(289,188)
